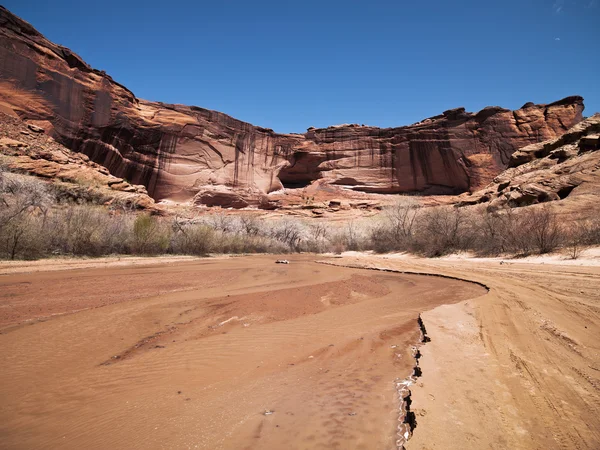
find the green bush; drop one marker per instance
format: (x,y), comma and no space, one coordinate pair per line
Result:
(150,235)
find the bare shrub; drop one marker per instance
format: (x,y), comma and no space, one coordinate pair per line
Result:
(23,210)
(22,195)
(83,230)
(22,238)
(581,234)
(521,231)
(488,230)
(353,236)
(441,230)
(222,222)
(317,240)
(590,231)
(541,227)
(575,243)
(288,232)
(396,231)
(251,225)
(338,243)
(401,218)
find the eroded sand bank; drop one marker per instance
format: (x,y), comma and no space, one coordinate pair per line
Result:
(229,353)
(518,368)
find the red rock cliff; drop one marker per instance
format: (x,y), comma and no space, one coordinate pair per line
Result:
(185,152)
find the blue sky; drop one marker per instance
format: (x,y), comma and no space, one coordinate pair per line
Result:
(291,65)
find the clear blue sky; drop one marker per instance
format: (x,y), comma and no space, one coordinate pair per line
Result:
(291,65)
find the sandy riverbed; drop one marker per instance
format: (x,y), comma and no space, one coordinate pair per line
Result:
(193,353)
(518,368)
(190,353)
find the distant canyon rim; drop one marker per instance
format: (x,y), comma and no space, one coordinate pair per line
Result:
(193,155)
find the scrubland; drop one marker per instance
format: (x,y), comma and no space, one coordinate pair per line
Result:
(38,220)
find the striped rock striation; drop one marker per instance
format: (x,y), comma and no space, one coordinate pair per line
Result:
(186,153)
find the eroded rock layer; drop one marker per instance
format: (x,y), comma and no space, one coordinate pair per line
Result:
(25,149)
(566,168)
(187,153)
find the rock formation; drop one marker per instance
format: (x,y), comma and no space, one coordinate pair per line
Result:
(25,149)
(185,153)
(564,168)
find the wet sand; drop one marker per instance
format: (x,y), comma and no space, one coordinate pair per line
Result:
(234,353)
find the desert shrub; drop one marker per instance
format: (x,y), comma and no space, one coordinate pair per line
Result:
(37,220)
(575,240)
(117,232)
(395,231)
(317,238)
(353,236)
(488,230)
(288,232)
(222,222)
(589,231)
(251,225)
(150,235)
(338,243)
(401,218)
(521,232)
(22,194)
(532,230)
(441,231)
(382,241)
(23,238)
(82,230)
(238,243)
(192,239)
(24,205)
(85,231)
(544,229)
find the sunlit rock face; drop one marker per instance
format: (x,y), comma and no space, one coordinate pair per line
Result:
(564,168)
(185,153)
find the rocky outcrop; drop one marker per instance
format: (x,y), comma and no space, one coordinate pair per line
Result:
(184,153)
(27,150)
(566,168)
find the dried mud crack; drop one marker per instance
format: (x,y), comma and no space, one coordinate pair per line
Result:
(407,418)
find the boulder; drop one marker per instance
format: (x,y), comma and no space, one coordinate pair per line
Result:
(35,128)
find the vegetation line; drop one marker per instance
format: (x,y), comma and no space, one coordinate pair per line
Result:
(38,221)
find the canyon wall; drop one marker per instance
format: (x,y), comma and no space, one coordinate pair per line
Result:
(185,153)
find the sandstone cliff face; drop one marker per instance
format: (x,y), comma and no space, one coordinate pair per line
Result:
(26,149)
(187,153)
(566,168)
